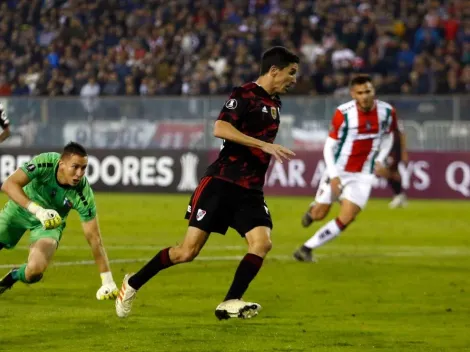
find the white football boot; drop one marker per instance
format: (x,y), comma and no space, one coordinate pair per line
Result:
(399,201)
(237,308)
(125,298)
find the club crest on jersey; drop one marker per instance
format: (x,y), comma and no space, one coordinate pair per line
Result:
(231,104)
(273,112)
(200,214)
(68,203)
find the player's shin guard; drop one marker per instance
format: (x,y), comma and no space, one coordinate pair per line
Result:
(153,267)
(246,272)
(326,233)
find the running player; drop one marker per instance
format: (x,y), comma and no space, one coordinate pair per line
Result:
(360,139)
(231,192)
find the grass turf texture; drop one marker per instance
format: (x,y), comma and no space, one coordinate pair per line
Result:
(395,281)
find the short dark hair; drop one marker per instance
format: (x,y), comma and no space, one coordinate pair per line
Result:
(74,148)
(277,56)
(360,79)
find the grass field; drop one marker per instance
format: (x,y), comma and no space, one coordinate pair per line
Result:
(396,281)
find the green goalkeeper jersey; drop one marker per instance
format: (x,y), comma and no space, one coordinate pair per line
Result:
(44,189)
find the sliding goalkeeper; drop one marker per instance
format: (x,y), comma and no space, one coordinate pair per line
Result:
(42,192)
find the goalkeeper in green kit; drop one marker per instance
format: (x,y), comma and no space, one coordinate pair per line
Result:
(42,192)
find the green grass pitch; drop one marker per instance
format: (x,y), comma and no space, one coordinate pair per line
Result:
(395,281)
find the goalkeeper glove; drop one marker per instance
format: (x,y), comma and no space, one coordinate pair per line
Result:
(108,290)
(49,218)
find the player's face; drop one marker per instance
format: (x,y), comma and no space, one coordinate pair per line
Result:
(73,168)
(364,94)
(286,78)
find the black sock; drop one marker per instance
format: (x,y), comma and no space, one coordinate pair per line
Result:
(8,280)
(246,272)
(159,262)
(395,185)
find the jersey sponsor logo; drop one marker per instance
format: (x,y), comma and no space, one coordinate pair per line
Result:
(31,167)
(273,112)
(231,104)
(200,214)
(68,203)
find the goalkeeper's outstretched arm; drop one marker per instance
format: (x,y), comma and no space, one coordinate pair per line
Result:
(92,233)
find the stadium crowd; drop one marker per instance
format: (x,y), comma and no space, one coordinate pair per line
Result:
(171,47)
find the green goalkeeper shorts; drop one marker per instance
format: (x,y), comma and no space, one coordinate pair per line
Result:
(14,222)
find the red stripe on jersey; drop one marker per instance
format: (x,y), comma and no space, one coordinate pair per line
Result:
(368,122)
(359,154)
(336,122)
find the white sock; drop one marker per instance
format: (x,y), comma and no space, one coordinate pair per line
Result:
(326,233)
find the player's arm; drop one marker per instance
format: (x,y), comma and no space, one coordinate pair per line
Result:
(91,229)
(92,232)
(329,152)
(226,128)
(385,148)
(386,143)
(5,124)
(13,187)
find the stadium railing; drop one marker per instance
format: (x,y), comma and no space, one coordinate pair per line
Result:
(430,122)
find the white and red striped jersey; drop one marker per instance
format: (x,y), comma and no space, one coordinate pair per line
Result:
(359,134)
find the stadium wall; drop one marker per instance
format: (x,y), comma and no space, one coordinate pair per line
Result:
(428,175)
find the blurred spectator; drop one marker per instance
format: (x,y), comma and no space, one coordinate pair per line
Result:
(173,47)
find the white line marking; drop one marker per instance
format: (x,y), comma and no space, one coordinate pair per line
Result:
(442,253)
(425,250)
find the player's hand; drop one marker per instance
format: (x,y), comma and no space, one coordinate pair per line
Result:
(336,187)
(49,218)
(107,291)
(381,171)
(278,151)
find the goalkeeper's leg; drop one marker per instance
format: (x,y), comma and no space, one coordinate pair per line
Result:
(11,232)
(40,255)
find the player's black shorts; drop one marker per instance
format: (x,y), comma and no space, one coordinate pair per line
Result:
(217,205)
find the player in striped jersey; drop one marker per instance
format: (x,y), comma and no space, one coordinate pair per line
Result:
(359,141)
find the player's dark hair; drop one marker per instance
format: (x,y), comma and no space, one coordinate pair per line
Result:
(74,148)
(360,79)
(277,56)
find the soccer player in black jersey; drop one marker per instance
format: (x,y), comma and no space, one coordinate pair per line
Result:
(231,192)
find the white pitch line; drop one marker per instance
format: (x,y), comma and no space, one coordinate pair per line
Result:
(270,257)
(340,247)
